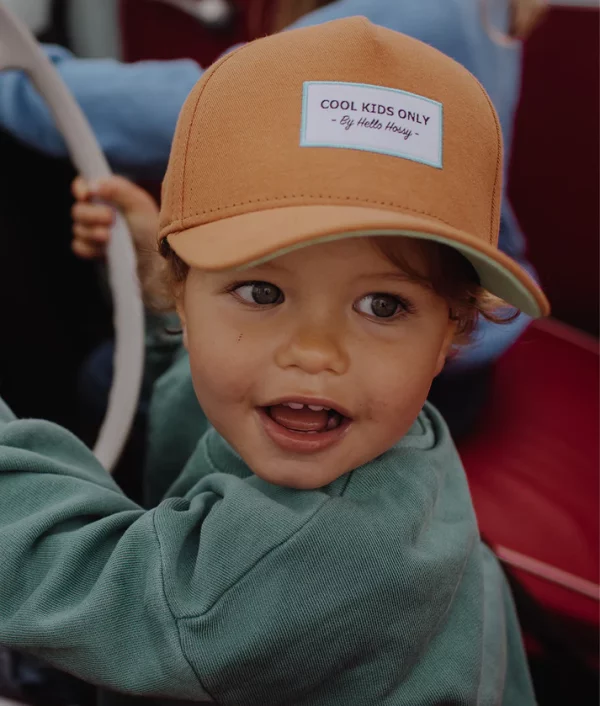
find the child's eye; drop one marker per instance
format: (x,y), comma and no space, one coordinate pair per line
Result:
(382,306)
(262,293)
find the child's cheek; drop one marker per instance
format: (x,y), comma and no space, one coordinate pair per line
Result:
(397,389)
(221,366)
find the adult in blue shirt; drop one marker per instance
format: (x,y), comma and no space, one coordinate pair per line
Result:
(133,109)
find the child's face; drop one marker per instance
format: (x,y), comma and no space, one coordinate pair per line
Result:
(333,325)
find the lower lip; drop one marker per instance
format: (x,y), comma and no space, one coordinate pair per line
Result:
(299,441)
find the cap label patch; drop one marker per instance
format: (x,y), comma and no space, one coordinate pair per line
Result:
(358,116)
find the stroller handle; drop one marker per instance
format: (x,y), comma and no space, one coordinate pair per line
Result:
(19,50)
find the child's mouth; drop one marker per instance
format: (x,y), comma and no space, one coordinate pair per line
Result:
(301,427)
(310,419)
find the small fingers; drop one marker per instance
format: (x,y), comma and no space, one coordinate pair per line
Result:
(80,189)
(99,235)
(88,250)
(92,214)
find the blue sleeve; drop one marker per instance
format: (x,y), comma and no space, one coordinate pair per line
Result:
(490,341)
(133,108)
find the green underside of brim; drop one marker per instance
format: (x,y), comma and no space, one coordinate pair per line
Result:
(495,278)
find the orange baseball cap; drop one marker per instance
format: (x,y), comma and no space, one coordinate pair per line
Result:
(339,130)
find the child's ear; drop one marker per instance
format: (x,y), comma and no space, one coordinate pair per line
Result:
(446,347)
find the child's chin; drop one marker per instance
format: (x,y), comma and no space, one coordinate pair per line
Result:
(304,475)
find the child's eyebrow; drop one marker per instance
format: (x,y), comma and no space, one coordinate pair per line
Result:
(401,276)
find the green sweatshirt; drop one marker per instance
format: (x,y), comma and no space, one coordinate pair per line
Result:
(373,590)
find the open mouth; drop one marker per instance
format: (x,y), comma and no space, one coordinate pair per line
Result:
(305,418)
(304,427)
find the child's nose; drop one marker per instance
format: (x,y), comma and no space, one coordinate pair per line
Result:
(314,349)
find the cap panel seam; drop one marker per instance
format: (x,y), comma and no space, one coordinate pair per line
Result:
(498,156)
(211,73)
(327,197)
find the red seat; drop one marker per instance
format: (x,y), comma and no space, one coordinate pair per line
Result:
(533,467)
(533,464)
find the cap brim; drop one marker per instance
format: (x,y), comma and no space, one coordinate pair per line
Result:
(247,239)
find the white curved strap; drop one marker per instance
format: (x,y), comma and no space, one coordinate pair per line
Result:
(19,50)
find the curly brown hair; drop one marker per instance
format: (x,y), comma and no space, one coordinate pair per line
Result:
(453,278)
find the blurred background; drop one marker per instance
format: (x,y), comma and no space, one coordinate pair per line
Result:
(533,460)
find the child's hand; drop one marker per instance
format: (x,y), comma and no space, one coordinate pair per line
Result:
(92,221)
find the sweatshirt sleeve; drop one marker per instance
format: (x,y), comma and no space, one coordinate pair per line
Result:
(132,108)
(81,582)
(98,587)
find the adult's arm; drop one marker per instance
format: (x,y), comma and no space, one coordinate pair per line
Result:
(132,108)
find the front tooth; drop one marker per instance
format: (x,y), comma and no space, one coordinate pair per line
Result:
(316,407)
(294,405)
